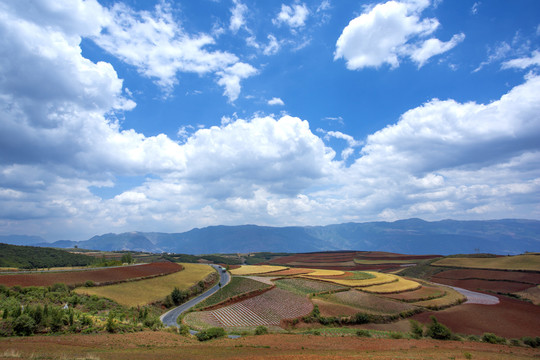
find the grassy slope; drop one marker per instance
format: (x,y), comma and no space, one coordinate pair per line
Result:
(147,291)
(30,257)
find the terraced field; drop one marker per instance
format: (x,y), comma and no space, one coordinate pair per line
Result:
(527,262)
(426,292)
(268,309)
(368,303)
(237,286)
(99,276)
(256,269)
(376,279)
(451,298)
(144,292)
(399,286)
(305,286)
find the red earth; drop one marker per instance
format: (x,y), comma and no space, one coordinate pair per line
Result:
(98,276)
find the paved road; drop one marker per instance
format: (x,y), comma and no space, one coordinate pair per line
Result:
(169,318)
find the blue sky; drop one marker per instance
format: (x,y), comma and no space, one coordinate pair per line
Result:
(169,115)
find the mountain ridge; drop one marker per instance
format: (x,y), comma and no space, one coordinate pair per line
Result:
(414,236)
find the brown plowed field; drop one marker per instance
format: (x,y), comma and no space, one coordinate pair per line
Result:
(289,272)
(510,318)
(98,276)
(165,346)
(484,285)
(518,276)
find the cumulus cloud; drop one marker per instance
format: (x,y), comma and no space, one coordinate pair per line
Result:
(294,16)
(159,48)
(388,32)
(230,78)
(276,101)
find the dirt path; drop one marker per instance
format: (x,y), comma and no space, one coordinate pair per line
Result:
(474,297)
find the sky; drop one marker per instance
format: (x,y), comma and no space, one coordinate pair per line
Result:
(143,115)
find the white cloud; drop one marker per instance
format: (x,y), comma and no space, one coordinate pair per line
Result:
(158,47)
(237,16)
(295,16)
(524,62)
(230,78)
(474,9)
(434,47)
(388,32)
(272,47)
(276,101)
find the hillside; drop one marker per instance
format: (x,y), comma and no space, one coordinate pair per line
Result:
(30,257)
(412,236)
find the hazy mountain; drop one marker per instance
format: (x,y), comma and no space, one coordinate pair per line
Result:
(412,236)
(21,239)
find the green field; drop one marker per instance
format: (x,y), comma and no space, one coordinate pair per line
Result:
(237,286)
(519,262)
(305,287)
(367,303)
(137,293)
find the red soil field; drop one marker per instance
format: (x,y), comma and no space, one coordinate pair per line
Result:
(98,276)
(485,285)
(289,272)
(519,276)
(165,346)
(510,318)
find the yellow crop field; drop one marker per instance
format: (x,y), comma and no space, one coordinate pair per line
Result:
(452,297)
(518,262)
(321,272)
(256,269)
(142,292)
(401,285)
(378,278)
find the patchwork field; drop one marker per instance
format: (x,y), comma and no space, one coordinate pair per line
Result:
(426,292)
(268,309)
(99,276)
(256,269)
(238,286)
(148,291)
(367,303)
(399,286)
(527,262)
(306,287)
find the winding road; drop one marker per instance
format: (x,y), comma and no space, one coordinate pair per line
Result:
(169,318)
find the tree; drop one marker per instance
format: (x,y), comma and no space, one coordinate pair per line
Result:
(127,258)
(436,330)
(24,325)
(178,296)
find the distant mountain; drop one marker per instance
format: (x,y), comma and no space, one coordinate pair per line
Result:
(21,240)
(411,236)
(30,257)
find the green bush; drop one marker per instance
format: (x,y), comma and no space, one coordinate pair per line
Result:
(438,331)
(493,339)
(212,333)
(363,333)
(532,342)
(24,325)
(261,330)
(184,330)
(89,283)
(361,318)
(396,335)
(417,329)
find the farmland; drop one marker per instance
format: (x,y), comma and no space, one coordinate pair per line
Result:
(367,303)
(256,269)
(238,286)
(306,287)
(150,290)
(528,262)
(99,276)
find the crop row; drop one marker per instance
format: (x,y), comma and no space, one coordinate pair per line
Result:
(99,277)
(237,286)
(305,286)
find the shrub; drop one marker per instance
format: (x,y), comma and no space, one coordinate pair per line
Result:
(361,318)
(532,342)
(110,326)
(184,330)
(89,283)
(24,325)
(212,333)
(493,339)
(261,330)
(467,355)
(417,329)
(438,331)
(396,335)
(363,333)
(515,342)
(473,338)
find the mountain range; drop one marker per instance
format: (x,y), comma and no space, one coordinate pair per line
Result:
(411,236)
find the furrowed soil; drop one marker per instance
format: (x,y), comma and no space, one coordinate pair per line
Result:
(164,346)
(509,318)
